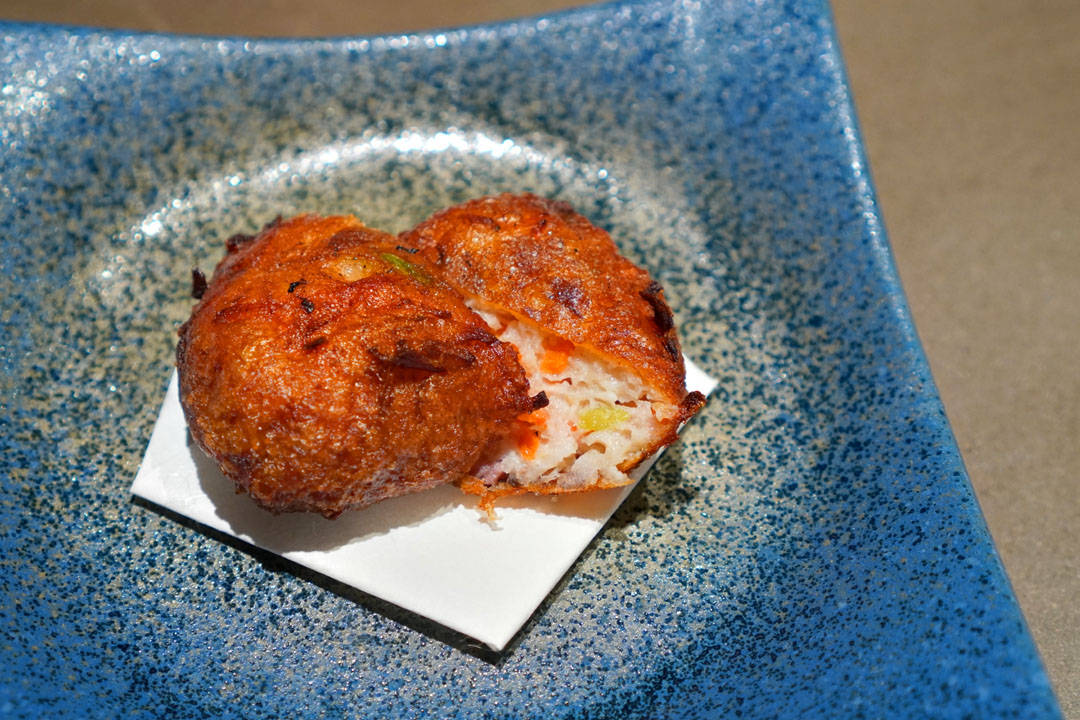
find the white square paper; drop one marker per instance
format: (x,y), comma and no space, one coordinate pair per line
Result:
(418,551)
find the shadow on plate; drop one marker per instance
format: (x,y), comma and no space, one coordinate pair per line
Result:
(289,532)
(660,494)
(273,562)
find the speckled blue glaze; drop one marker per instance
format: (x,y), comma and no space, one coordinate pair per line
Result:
(812,549)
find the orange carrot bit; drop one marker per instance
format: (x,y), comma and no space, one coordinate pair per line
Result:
(536,418)
(527,442)
(553,362)
(557,353)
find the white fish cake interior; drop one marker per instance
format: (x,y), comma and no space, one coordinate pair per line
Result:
(600,417)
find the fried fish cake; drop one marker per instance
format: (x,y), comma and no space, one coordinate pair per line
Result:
(593,331)
(326,369)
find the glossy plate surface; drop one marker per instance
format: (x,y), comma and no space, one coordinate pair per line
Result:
(811,549)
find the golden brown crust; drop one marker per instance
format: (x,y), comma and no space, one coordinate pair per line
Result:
(540,260)
(325,369)
(544,263)
(489,494)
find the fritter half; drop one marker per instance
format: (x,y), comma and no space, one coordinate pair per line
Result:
(326,369)
(593,332)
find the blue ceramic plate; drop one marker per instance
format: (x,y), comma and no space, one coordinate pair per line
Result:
(813,547)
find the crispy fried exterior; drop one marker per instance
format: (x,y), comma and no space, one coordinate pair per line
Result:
(544,263)
(489,494)
(540,260)
(326,369)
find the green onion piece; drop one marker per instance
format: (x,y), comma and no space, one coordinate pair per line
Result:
(602,417)
(406,268)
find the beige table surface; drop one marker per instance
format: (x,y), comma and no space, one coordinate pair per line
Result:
(970,111)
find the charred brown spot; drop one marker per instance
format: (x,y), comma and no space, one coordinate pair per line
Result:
(312,344)
(482,220)
(692,402)
(570,296)
(273,223)
(295,284)
(308,306)
(432,356)
(411,251)
(407,359)
(653,295)
(237,241)
(235,310)
(466,357)
(198,283)
(350,238)
(540,400)
(672,347)
(478,334)
(498,479)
